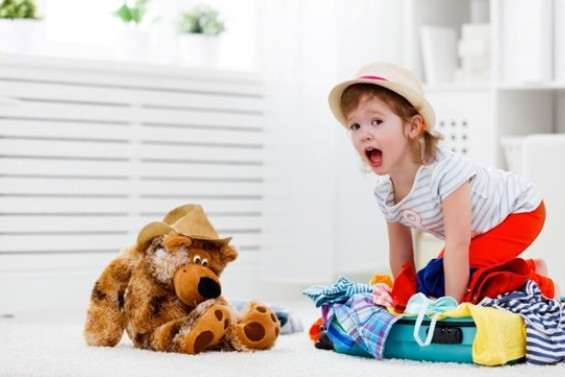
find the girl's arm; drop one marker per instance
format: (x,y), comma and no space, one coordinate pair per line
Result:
(457,217)
(400,246)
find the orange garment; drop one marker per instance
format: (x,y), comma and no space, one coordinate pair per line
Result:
(378,278)
(315,330)
(508,240)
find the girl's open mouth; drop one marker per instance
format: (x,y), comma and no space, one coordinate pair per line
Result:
(374,156)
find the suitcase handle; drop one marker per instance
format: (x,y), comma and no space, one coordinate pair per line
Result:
(418,324)
(447,335)
(422,305)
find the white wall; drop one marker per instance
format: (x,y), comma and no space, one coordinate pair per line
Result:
(320,215)
(69,33)
(539,153)
(323,217)
(368,31)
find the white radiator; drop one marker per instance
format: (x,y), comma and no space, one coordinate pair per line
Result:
(90,152)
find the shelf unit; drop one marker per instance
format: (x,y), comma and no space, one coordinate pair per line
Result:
(477,116)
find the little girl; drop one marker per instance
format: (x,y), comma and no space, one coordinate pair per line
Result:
(486,216)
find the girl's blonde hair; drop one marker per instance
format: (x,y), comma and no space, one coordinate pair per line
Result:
(424,146)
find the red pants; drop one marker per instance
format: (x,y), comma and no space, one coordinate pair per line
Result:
(507,241)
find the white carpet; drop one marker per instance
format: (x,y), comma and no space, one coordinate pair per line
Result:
(58,350)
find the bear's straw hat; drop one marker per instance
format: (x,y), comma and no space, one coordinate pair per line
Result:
(188,220)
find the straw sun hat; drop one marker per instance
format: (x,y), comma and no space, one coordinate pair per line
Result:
(188,220)
(392,77)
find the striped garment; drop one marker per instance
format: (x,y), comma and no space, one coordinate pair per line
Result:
(340,291)
(358,327)
(544,318)
(494,195)
(382,294)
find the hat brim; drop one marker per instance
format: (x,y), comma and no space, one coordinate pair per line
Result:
(159,228)
(151,231)
(221,241)
(417,100)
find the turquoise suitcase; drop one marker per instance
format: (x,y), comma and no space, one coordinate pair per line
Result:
(452,340)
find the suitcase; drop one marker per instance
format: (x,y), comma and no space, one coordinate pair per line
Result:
(452,340)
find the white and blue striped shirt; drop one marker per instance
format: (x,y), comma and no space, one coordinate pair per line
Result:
(544,319)
(494,195)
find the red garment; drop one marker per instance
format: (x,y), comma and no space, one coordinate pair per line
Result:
(545,283)
(507,240)
(494,280)
(405,285)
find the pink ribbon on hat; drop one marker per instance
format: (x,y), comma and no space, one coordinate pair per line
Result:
(373,78)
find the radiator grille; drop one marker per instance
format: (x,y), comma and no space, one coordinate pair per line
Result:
(88,156)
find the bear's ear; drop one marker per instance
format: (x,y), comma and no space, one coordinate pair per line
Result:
(228,254)
(174,242)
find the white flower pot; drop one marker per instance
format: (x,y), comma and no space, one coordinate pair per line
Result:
(198,50)
(21,36)
(133,45)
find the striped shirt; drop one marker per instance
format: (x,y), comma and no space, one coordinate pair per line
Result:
(544,318)
(340,291)
(495,194)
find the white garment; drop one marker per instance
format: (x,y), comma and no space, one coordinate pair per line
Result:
(494,195)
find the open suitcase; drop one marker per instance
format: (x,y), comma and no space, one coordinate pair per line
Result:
(452,340)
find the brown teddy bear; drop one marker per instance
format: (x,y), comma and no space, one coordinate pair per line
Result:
(165,292)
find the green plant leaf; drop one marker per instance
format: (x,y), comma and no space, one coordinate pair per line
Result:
(124,13)
(18,9)
(136,15)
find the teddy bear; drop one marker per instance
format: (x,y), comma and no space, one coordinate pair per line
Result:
(165,292)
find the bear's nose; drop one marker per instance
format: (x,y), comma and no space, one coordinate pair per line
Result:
(208,288)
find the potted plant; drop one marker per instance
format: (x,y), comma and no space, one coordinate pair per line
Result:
(199,29)
(201,20)
(18,9)
(133,42)
(132,12)
(20,29)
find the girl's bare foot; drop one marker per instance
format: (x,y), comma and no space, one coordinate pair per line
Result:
(541,267)
(557,294)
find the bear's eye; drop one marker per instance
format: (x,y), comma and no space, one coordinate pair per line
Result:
(196,259)
(204,262)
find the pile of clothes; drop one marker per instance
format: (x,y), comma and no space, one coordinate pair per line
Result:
(502,300)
